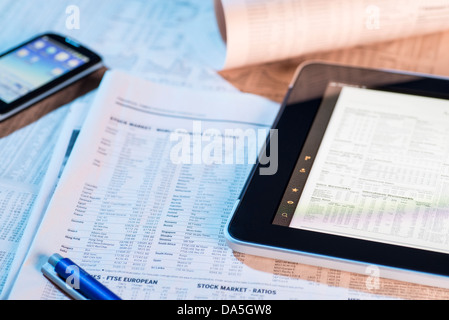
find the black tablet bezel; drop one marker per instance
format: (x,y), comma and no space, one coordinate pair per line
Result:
(252,221)
(94,60)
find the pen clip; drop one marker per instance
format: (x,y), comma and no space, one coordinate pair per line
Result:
(49,271)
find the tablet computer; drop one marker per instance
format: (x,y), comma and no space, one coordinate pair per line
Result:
(362,176)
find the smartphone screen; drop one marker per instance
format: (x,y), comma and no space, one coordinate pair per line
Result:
(35,64)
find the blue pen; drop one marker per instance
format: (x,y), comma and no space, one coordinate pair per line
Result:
(74,281)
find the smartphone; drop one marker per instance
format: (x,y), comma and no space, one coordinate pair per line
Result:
(40,67)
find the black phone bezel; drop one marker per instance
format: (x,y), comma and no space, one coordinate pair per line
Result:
(252,220)
(94,59)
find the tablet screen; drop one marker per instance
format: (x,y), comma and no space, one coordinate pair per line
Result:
(375,166)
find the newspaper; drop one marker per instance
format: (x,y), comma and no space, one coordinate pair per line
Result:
(258,31)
